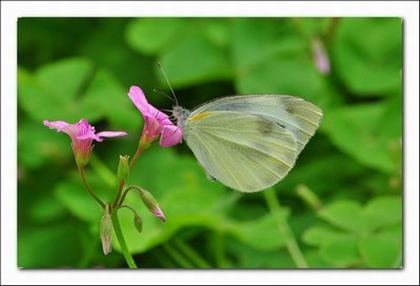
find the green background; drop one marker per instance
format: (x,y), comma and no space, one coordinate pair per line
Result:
(340,205)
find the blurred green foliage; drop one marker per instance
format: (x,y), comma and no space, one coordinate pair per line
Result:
(72,68)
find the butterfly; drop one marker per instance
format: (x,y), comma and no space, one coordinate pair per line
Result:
(249,143)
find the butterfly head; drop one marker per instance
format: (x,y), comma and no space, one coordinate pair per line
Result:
(181,115)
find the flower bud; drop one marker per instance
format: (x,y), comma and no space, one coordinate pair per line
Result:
(320,56)
(123,168)
(106,230)
(152,204)
(138,223)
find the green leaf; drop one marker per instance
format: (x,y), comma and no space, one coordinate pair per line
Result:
(281,76)
(180,212)
(183,192)
(174,171)
(311,27)
(46,209)
(315,260)
(354,129)
(270,59)
(319,235)
(260,40)
(345,214)
(152,35)
(107,48)
(39,145)
(349,215)
(173,39)
(392,118)
(77,200)
(341,252)
(383,249)
(85,93)
(261,234)
(367,54)
(55,77)
(106,95)
(216,30)
(207,63)
(317,171)
(249,257)
(57,86)
(49,246)
(383,211)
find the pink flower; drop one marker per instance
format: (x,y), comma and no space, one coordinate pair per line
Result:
(156,123)
(320,56)
(82,134)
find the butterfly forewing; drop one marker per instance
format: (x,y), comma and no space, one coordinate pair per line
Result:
(300,117)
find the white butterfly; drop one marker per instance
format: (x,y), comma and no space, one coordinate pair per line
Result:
(249,143)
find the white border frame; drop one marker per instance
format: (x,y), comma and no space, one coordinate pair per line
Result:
(11,11)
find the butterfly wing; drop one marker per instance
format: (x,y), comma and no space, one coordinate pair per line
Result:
(300,117)
(244,151)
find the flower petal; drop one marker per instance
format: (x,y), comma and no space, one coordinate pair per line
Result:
(137,97)
(89,136)
(80,130)
(152,127)
(171,135)
(58,125)
(147,110)
(111,133)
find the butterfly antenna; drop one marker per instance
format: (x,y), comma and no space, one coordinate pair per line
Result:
(164,94)
(167,80)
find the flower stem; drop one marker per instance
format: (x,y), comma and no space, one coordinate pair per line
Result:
(119,234)
(176,256)
(85,183)
(140,148)
(118,194)
(219,249)
(191,254)
(291,243)
(122,198)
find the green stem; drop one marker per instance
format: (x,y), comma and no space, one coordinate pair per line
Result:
(291,243)
(119,234)
(129,188)
(191,254)
(118,194)
(164,260)
(87,187)
(219,249)
(176,256)
(140,148)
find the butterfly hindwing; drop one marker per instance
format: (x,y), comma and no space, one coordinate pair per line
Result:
(243,151)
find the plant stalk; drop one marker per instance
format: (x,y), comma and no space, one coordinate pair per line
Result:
(140,148)
(119,234)
(284,228)
(88,188)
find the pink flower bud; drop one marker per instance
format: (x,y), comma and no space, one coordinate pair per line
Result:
(151,203)
(320,56)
